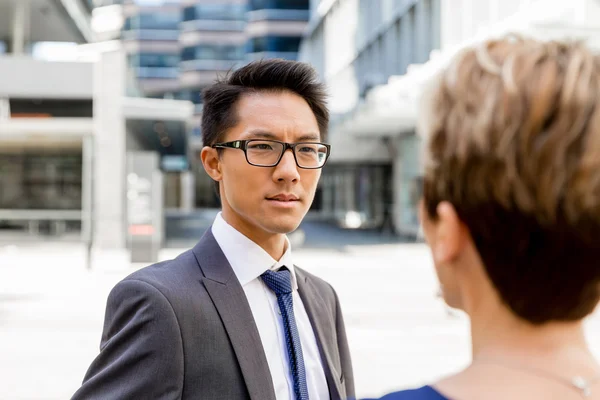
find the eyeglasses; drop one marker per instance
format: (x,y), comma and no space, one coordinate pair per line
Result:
(268,153)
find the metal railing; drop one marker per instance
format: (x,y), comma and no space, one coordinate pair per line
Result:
(28,224)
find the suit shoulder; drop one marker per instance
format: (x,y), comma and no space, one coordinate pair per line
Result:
(322,285)
(169,273)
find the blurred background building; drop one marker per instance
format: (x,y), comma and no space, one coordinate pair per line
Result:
(358,45)
(95,94)
(176,49)
(375,56)
(42,186)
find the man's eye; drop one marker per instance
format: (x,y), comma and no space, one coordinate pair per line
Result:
(261,146)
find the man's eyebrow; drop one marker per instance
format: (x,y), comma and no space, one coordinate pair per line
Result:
(309,137)
(259,133)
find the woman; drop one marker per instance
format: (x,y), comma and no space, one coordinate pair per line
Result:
(511,212)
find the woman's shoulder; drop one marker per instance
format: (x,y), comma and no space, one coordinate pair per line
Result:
(423,393)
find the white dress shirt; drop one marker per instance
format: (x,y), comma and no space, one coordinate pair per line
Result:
(249,261)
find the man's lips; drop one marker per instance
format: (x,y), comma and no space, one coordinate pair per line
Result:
(284,197)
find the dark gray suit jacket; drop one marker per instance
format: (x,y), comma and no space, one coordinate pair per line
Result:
(183,329)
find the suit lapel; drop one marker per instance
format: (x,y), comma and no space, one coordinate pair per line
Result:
(230,300)
(316,308)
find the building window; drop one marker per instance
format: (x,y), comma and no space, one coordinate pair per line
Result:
(213,52)
(41,180)
(154,60)
(102,3)
(206,194)
(279,4)
(274,44)
(215,12)
(158,20)
(362,189)
(193,95)
(2,47)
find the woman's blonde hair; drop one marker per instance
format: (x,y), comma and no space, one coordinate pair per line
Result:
(512,140)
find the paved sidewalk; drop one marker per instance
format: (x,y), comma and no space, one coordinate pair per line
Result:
(52,309)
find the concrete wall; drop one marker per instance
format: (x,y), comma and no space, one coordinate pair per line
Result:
(25,77)
(463,20)
(348,149)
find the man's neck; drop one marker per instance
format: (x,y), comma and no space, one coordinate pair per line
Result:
(275,244)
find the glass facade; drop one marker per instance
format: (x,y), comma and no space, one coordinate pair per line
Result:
(409,169)
(387,36)
(193,95)
(40,181)
(279,4)
(159,20)
(154,60)
(155,65)
(283,44)
(408,38)
(213,52)
(278,15)
(205,29)
(223,11)
(355,189)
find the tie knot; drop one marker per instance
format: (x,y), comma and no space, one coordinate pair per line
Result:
(279,282)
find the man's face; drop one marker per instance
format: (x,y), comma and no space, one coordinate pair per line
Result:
(271,200)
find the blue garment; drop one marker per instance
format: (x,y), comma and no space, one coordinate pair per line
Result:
(424,393)
(280,282)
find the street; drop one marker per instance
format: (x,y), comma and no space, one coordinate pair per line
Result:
(401,335)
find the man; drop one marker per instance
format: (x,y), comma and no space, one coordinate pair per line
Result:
(234,318)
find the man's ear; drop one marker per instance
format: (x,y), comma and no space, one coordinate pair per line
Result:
(212,163)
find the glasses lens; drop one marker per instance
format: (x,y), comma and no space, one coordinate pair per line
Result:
(311,155)
(263,152)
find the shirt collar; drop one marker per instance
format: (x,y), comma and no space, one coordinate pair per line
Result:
(247,259)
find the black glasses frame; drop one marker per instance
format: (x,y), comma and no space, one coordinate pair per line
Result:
(243,145)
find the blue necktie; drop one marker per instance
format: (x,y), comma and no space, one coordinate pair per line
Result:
(280,282)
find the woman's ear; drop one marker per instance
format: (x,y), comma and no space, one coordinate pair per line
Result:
(450,234)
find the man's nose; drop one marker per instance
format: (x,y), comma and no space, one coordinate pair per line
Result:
(287,170)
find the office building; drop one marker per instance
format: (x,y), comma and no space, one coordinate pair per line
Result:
(375,56)
(214,37)
(72,130)
(38,172)
(275,28)
(150,36)
(128,80)
(357,45)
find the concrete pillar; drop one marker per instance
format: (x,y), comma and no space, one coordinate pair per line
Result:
(397,176)
(406,168)
(377,185)
(21,26)
(4,109)
(87,177)
(349,192)
(327,184)
(188,191)
(109,151)
(407,34)
(436,24)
